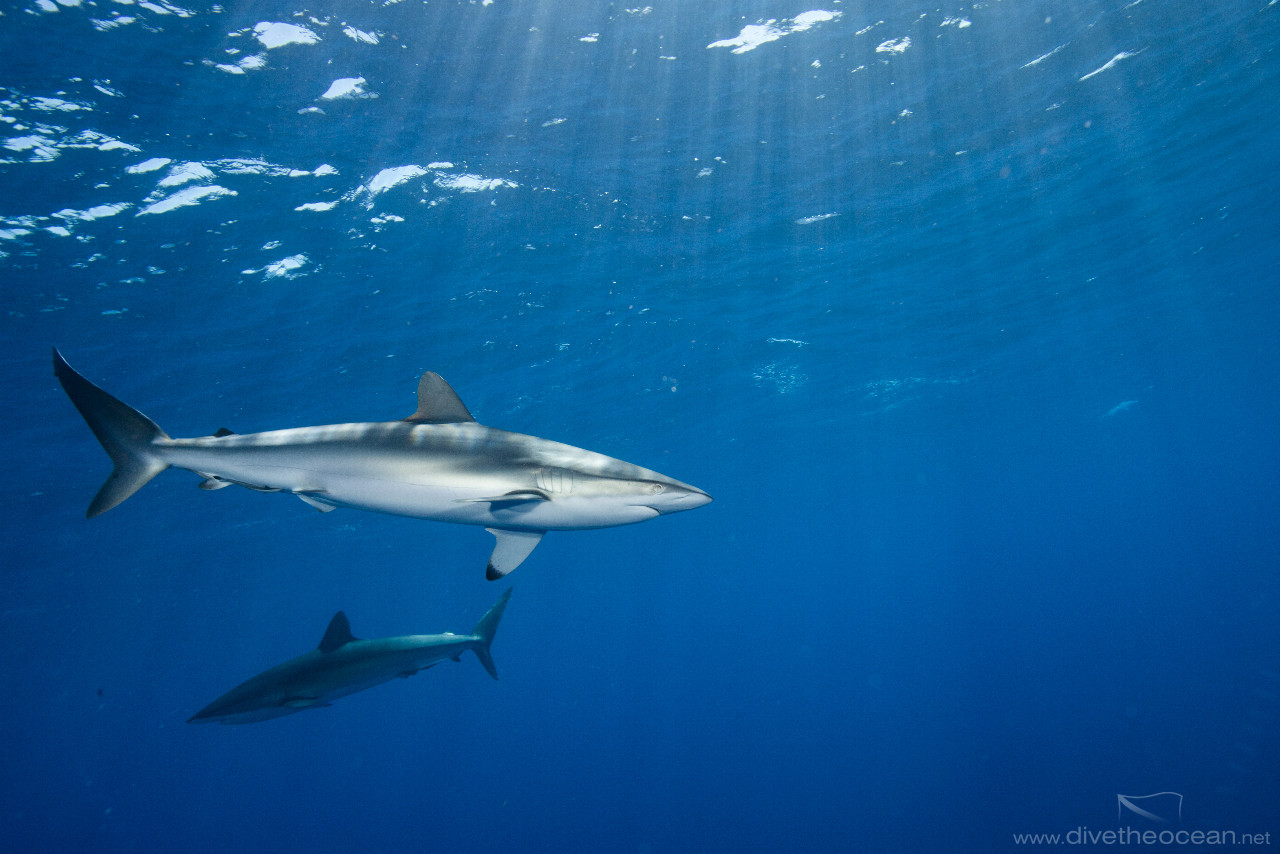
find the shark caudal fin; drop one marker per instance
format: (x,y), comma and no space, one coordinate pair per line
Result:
(485,629)
(125,433)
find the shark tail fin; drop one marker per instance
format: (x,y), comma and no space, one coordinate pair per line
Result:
(125,433)
(485,630)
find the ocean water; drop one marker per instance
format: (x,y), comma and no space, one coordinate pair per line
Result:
(966,315)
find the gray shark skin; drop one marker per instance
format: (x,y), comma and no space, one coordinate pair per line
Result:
(436,464)
(342,665)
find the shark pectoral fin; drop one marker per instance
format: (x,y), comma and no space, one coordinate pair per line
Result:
(510,550)
(310,496)
(509,499)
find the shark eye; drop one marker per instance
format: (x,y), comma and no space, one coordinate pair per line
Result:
(657,488)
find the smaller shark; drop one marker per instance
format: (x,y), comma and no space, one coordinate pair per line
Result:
(343,664)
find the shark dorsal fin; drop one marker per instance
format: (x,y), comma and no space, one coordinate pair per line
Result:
(338,634)
(438,403)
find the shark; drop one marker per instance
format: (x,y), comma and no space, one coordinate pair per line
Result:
(438,463)
(343,664)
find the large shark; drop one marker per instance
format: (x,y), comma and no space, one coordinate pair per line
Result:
(342,665)
(436,464)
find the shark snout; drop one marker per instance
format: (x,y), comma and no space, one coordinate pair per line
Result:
(678,498)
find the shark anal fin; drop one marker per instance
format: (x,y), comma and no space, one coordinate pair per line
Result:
(212,481)
(438,403)
(510,550)
(309,496)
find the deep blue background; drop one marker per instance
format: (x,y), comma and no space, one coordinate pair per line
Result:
(978,356)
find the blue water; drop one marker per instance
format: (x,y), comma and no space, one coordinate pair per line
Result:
(965,315)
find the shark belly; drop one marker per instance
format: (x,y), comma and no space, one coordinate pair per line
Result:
(468,506)
(358,466)
(382,478)
(370,663)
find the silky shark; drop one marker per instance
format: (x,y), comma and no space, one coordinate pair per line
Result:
(342,665)
(436,464)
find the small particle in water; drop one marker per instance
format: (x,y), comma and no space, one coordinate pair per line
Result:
(1119,407)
